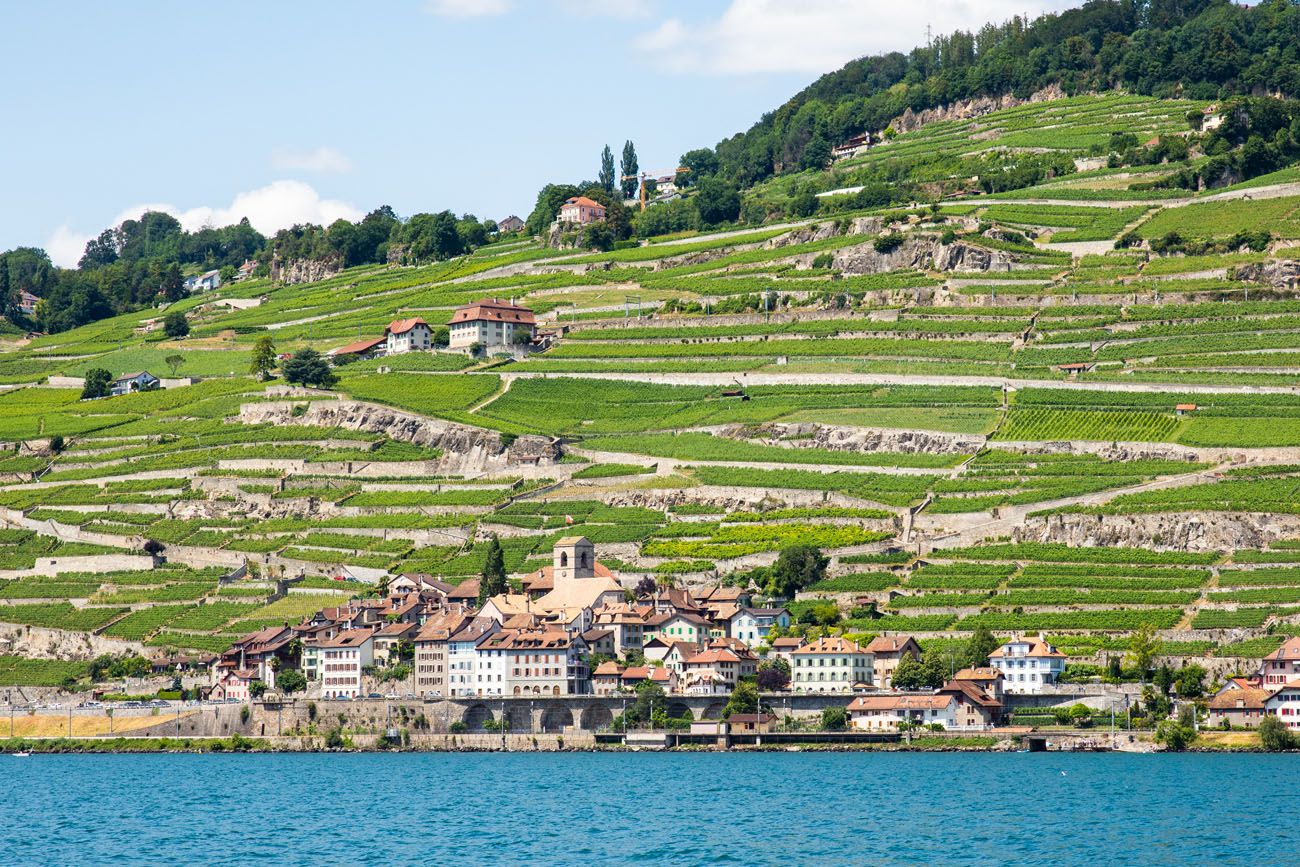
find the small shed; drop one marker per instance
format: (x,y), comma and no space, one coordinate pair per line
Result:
(1184,408)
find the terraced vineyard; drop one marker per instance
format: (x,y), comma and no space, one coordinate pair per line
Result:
(1066,408)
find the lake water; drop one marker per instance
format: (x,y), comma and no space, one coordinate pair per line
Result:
(611,808)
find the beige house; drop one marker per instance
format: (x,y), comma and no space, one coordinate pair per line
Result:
(886,651)
(431,663)
(491,323)
(715,671)
(830,664)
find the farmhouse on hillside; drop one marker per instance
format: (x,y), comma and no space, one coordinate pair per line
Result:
(581,210)
(407,335)
(510,224)
(401,335)
(132,382)
(491,323)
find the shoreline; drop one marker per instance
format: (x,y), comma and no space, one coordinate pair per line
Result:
(314,745)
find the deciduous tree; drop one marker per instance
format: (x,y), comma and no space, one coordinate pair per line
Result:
(264,358)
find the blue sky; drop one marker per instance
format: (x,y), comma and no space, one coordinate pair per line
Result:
(293,111)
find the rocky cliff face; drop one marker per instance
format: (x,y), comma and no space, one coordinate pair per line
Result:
(1280,274)
(828,229)
(304,270)
(965,109)
(922,252)
(851,439)
(464,448)
(1208,531)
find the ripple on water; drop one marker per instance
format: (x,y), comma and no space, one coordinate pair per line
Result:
(663,809)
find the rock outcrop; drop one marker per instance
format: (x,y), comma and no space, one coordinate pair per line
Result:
(464,448)
(1202,531)
(1278,273)
(856,439)
(919,252)
(966,109)
(304,270)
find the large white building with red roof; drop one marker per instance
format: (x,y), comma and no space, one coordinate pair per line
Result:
(1028,664)
(491,323)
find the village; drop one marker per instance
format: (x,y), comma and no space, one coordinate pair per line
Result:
(572,634)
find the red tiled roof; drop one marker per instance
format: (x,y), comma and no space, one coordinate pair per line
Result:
(359,346)
(493,311)
(584,202)
(401,326)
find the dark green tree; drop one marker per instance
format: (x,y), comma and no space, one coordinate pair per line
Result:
(979,647)
(796,567)
(176,325)
(629,170)
(702,163)
(171,284)
(773,674)
(264,357)
(717,201)
(308,367)
(744,699)
(606,177)
(834,719)
(290,680)
(1274,736)
(97,383)
(492,580)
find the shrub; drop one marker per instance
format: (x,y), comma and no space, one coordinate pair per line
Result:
(834,719)
(1274,736)
(176,325)
(888,243)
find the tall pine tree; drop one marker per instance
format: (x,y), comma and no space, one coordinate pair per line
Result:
(630,168)
(606,177)
(492,580)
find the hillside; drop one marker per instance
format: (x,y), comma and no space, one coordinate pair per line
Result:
(1028,363)
(971,407)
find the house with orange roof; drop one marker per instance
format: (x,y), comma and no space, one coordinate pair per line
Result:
(581,210)
(1028,664)
(1281,666)
(1240,702)
(874,713)
(431,663)
(407,335)
(491,323)
(543,661)
(342,659)
(985,677)
(886,652)
(715,671)
(830,664)
(607,678)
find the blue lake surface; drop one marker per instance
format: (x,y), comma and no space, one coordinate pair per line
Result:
(612,808)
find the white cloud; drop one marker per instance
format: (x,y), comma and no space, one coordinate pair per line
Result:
(65,246)
(607,8)
(467,8)
(276,206)
(815,36)
(322,159)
